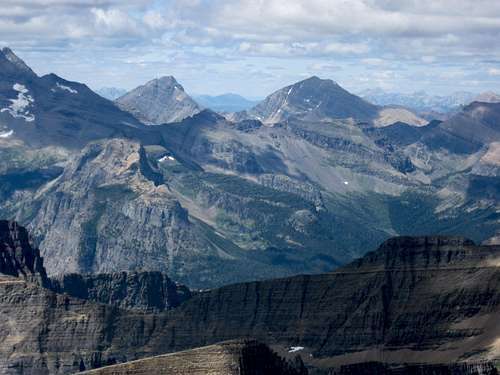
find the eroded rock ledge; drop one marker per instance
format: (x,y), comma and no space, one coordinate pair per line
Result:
(242,357)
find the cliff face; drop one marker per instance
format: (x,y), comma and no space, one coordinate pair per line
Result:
(409,298)
(146,291)
(110,211)
(377,368)
(229,358)
(17,257)
(424,300)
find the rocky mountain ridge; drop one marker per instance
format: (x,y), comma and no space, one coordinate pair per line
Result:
(50,111)
(316,99)
(112,210)
(159,101)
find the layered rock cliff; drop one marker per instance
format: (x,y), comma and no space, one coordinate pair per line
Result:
(423,300)
(17,257)
(410,298)
(145,291)
(377,368)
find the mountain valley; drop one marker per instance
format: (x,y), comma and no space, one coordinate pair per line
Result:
(294,192)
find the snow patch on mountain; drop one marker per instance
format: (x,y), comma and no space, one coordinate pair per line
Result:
(165,158)
(66,88)
(19,107)
(4,135)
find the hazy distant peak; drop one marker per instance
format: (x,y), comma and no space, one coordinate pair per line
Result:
(487,97)
(111,93)
(228,102)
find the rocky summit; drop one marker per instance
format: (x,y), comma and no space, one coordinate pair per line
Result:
(316,99)
(159,101)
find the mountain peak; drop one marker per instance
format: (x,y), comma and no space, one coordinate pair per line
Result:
(166,79)
(312,98)
(313,78)
(164,82)
(318,80)
(161,100)
(11,63)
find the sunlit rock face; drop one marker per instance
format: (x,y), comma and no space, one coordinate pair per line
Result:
(159,101)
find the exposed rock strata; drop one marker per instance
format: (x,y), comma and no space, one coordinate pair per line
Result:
(146,291)
(423,300)
(229,358)
(377,368)
(17,257)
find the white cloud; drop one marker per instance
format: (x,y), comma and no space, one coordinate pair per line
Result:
(365,38)
(375,61)
(494,72)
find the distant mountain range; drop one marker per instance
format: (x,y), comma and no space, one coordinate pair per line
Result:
(225,102)
(219,103)
(111,93)
(422,102)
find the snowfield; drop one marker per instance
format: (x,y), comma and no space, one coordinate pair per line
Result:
(6,134)
(165,158)
(19,107)
(66,88)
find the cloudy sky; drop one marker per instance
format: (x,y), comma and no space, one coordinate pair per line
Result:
(253,47)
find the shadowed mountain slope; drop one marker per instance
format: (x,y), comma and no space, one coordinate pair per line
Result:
(50,111)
